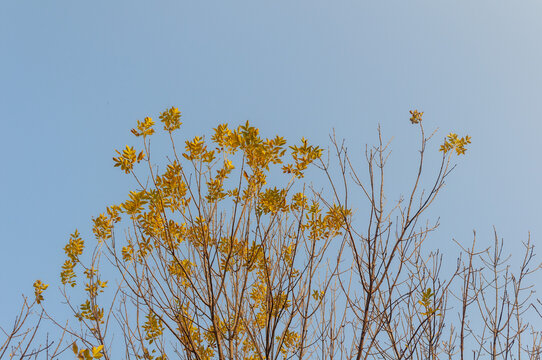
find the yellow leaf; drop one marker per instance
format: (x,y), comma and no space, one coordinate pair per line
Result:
(96,352)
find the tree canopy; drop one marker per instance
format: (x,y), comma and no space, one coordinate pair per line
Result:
(228,252)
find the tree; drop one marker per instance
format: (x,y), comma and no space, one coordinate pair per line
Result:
(229,254)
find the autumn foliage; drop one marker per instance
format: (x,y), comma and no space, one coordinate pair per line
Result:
(229,253)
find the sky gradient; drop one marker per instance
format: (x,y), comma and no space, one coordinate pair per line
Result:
(75,77)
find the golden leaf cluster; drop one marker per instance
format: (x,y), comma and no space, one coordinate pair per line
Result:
(103,224)
(90,311)
(144,128)
(73,250)
(153,327)
(128,158)
(171,119)
(454,142)
(427,303)
(303,156)
(39,288)
(416,116)
(88,354)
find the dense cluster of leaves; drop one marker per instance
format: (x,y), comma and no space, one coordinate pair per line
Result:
(220,263)
(454,142)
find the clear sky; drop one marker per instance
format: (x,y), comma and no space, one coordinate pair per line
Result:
(76,75)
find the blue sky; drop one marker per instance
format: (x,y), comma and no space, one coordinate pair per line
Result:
(75,77)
